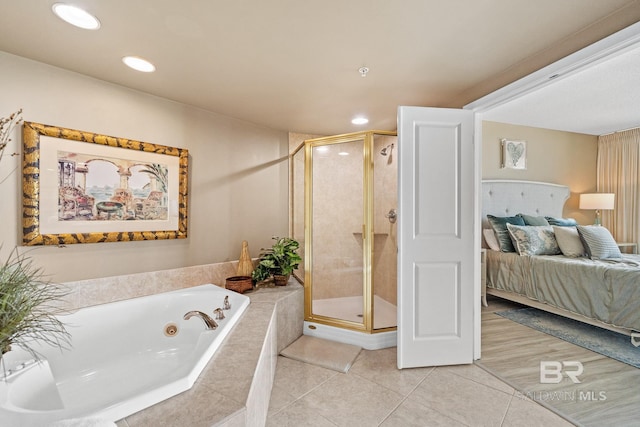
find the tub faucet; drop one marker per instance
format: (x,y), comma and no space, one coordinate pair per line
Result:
(226,305)
(208,321)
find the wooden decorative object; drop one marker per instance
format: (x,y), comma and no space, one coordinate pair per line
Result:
(280,279)
(245,265)
(239,284)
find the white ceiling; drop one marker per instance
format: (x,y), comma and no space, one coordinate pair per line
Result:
(601,99)
(293,64)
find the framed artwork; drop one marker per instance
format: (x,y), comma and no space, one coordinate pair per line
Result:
(81,187)
(514,154)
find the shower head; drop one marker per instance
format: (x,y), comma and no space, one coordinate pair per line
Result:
(386,150)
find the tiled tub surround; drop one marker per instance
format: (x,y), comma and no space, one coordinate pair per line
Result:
(115,368)
(235,386)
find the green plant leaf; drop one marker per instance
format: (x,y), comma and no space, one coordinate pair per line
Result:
(280,258)
(28,306)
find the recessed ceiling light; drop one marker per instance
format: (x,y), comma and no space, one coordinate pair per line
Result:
(360,121)
(139,64)
(343,153)
(76,16)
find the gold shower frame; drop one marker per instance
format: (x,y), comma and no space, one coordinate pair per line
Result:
(367,230)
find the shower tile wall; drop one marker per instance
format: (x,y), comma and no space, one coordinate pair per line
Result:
(296,202)
(385,197)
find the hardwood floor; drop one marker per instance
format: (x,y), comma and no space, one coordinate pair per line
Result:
(608,393)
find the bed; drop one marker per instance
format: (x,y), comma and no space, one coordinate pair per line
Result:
(601,292)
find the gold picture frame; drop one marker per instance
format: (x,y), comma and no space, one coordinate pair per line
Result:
(82,187)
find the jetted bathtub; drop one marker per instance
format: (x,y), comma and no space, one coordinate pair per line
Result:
(125,356)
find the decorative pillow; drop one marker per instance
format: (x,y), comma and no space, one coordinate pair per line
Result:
(561,222)
(534,240)
(490,239)
(499,225)
(598,242)
(533,220)
(569,241)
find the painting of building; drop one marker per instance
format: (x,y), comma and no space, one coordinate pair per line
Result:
(92,188)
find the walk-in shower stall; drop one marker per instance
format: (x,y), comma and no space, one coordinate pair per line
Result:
(344,200)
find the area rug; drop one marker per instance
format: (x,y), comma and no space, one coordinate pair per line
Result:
(608,343)
(317,351)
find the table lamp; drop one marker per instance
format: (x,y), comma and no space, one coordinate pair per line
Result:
(597,201)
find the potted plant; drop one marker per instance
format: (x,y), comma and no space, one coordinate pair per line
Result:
(278,261)
(28,304)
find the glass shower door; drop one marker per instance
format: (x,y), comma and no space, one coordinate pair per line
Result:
(337,270)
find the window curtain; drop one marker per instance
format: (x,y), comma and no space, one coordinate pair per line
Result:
(618,172)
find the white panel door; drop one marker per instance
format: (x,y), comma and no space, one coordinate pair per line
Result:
(436,226)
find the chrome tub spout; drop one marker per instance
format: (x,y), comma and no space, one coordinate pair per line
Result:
(208,321)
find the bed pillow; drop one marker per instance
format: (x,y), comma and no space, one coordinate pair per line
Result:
(534,240)
(561,222)
(569,241)
(533,220)
(499,225)
(490,239)
(598,242)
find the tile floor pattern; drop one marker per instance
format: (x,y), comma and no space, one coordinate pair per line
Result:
(375,393)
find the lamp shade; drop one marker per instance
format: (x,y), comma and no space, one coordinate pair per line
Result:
(597,201)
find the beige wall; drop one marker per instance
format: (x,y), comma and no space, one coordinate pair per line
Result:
(552,156)
(237,172)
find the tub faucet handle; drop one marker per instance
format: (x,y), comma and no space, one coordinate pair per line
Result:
(219,313)
(208,321)
(226,305)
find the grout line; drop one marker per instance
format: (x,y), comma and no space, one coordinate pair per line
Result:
(433,369)
(483,383)
(306,393)
(504,416)
(406,397)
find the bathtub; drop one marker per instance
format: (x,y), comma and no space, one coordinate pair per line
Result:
(125,356)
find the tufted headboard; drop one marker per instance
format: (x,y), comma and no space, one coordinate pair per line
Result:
(510,197)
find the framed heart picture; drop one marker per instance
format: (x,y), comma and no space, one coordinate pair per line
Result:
(514,154)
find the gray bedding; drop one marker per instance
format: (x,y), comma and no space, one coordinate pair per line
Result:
(608,291)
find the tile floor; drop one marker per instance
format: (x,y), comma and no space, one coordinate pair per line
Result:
(375,393)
